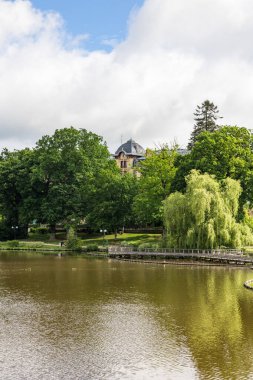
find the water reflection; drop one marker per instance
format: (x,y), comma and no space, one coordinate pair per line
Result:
(76,318)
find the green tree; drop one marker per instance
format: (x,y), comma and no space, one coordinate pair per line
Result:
(205,119)
(67,164)
(224,153)
(157,173)
(111,207)
(205,216)
(17,196)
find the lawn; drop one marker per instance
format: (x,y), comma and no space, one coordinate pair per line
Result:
(129,239)
(42,242)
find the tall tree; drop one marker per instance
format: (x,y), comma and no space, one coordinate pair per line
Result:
(205,216)
(226,152)
(66,165)
(157,173)
(205,118)
(111,206)
(17,195)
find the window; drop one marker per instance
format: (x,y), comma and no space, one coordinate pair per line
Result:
(123,164)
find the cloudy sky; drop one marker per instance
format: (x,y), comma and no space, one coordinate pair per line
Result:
(122,68)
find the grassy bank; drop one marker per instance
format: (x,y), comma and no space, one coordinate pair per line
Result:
(88,242)
(30,245)
(128,239)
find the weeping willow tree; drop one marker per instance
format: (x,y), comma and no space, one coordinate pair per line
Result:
(205,216)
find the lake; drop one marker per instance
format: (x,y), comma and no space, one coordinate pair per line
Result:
(92,318)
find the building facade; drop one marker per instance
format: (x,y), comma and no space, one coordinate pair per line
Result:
(128,155)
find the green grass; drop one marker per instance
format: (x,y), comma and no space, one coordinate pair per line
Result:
(29,245)
(86,241)
(130,239)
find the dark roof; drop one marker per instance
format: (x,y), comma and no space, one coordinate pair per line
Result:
(131,148)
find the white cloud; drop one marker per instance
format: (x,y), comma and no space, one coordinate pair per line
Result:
(177,54)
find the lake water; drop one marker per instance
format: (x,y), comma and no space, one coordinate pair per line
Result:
(77,318)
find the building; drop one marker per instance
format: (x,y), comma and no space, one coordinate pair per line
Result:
(128,155)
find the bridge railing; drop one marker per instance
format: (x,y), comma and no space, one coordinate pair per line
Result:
(132,249)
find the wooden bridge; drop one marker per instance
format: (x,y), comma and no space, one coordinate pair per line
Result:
(225,256)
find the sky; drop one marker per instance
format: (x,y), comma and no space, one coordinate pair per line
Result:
(122,68)
(104,22)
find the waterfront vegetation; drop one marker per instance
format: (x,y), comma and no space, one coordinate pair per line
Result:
(87,242)
(202,199)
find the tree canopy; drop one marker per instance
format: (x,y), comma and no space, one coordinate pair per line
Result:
(70,177)
(66,164)
(224,153)
(157,173)
(205,216)
(17,195)
(54,182)
(111,207)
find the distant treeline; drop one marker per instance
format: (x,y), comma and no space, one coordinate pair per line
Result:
(69,178)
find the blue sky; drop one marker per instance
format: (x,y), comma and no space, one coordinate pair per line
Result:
(101,19)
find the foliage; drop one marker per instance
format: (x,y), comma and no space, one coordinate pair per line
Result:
(92,247)
(66,165)
(205,120)
(223,153)
(149,245)
(111,207)
(157,174)
(205,216)
(70,177)
(39,230)
(248,216)
(52,183)
(17,198)
(125,243)
(73,242)
(13,243)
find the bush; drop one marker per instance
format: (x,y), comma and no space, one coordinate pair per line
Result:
(92,247)
(153,246)
(74,244)
(13,243)
(39,230)
(125,243)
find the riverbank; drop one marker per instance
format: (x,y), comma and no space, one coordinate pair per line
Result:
(86,242)
(57,248)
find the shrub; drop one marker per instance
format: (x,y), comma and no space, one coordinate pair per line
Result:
(153,246)
(125,243)
(13,243)
(39,230)
(74,244)
(92,247)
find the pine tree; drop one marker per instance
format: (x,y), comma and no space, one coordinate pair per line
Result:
(205,120)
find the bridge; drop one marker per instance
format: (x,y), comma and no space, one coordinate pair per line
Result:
(224,256)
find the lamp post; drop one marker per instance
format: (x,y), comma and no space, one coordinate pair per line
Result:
(14,229)
(103,232)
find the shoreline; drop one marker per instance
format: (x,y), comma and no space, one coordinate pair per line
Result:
(184,263)
(103,254)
